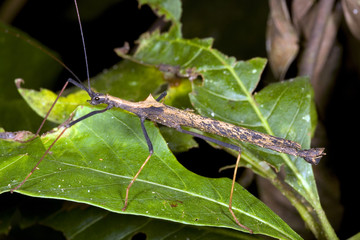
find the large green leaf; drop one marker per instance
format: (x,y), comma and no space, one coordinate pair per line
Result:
(93,165)
(81,222)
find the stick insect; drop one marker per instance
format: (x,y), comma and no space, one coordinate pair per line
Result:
(154,110)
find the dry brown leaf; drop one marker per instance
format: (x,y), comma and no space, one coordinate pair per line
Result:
(351,10)
(299,9)
(281,39)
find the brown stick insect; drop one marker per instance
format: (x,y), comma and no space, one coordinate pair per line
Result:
(154,110)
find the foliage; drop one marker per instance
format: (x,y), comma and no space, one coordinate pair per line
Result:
(94,161)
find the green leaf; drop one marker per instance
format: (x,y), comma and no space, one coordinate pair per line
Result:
(265,113)
(171,9)
(19,58)
(178,142)
(355,237)
(294,97)
(41,101)
(129,80)
(93,165)
(84,222)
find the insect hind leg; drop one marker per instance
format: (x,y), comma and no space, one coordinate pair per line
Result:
(231,146)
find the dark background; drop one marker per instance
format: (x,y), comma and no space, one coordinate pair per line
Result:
(239,30)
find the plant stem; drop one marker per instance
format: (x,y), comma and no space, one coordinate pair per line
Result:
(328,230)
(304,212)
(317,222)
(312,214)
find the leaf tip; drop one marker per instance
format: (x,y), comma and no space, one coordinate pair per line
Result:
(18,82)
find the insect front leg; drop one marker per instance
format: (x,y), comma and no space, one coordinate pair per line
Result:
(67,126)
(151,150)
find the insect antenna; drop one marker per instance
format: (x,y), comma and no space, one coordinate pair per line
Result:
(55,58)
(77,83)
(44,50)
(83,44)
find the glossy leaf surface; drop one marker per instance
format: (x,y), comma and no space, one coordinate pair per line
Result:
(82,222)
(93,165)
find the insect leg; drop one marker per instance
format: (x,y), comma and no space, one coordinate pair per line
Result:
(231,146)
(224,144)
(52,106)
(161,97)
(151,150)
(37,164)
(57,138)
(231,195)
(87,116)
